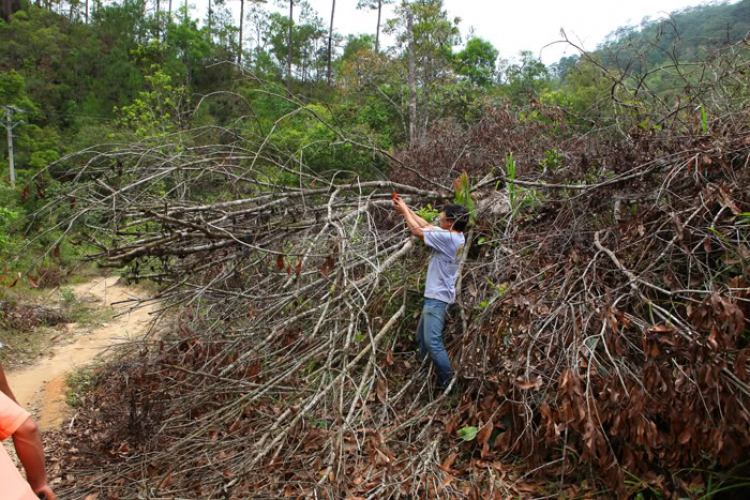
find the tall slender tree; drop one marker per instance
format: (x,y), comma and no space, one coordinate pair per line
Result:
(375,5)
(412,76)
(427,36)
(242,23)
(330,42)
(289,42)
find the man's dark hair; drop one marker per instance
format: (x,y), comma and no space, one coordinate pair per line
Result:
(458,215)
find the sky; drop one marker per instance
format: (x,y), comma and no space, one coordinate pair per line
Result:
(512,26)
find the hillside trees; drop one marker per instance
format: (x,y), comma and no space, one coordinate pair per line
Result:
(307,49)
(688,35)
(477,61)
(36,146)
(375,5)
(289,42)
(526,79)
(426,36)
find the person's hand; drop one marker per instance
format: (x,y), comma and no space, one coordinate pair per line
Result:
(47,492)
(399,204)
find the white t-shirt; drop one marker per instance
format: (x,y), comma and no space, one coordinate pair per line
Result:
(447,250)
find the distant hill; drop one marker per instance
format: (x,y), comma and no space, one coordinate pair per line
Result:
(686,35)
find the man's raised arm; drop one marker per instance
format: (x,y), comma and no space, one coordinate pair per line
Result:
(417,225)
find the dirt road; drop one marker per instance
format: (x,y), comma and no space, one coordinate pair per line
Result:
(40,388)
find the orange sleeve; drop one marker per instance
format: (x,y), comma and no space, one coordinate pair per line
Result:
(11,417)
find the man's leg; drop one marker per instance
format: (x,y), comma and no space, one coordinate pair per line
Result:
(434,320)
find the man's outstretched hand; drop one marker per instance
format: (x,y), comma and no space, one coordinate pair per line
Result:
(399,204)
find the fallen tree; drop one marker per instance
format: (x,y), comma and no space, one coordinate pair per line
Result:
(600,331)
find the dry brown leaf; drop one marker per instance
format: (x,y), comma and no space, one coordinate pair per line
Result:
(381,390)
(483,436)
(446,466)
(33,280)
(740,365)
(166,481)
(389,357)
(525,385)
(685,436)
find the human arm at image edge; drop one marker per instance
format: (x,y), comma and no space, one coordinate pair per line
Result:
(28,443)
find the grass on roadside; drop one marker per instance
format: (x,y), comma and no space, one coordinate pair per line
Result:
(81,381)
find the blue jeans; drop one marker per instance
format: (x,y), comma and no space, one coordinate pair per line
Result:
(430,339)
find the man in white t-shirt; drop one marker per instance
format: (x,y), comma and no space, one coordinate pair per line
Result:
(447,243)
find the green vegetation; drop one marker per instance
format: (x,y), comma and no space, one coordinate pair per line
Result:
(80,382)
(685,37)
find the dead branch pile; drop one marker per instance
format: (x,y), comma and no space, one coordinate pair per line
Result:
(600,335)
(23,317)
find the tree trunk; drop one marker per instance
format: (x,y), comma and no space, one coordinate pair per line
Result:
(9,127)
(87,11)
(6,11)
(330,42)
(412,84)
(377,31)
(209,22)
(289,55)
(242,16)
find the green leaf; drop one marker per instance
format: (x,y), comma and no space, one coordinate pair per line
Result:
(468,433)
(592,342)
